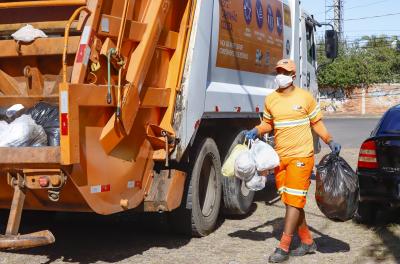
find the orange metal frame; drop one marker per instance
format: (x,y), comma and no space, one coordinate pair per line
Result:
(109,162)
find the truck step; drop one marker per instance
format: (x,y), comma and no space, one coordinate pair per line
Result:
(166,191)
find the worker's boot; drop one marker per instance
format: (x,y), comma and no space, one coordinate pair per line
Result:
(304,249)
(278,256)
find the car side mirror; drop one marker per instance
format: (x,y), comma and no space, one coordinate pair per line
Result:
(331,44)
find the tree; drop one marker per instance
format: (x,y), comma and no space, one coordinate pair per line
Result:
(368,60)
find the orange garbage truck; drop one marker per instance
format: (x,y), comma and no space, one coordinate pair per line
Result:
(151,94)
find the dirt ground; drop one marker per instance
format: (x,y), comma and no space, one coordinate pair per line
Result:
(83,238)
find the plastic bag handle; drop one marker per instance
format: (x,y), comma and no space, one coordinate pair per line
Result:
(248,142)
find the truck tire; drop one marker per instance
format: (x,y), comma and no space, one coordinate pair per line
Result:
(198,213)
(237,197)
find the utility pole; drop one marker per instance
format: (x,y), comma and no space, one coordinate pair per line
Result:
(338,17)
(334,16)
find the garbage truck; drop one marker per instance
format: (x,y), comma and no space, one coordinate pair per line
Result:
(152,95)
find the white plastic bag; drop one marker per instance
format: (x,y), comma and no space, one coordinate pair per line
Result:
(3,126)
(28,33)
(256,183)
(22,132)
(264,155)
(228,168)
(245,167)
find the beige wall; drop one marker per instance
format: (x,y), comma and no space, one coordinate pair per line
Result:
(374,100)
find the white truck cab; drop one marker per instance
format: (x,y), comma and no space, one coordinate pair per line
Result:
(230,69)
(232,58)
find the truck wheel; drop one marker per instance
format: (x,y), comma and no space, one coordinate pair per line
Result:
(237,197)
(366,213)
(198,213)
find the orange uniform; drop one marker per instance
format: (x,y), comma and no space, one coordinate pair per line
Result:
(292,115)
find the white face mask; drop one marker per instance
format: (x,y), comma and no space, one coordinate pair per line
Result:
(283,81)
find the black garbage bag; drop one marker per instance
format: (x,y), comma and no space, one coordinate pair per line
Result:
(336,188)
(47,116)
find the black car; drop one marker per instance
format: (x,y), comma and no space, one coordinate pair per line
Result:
(378,167)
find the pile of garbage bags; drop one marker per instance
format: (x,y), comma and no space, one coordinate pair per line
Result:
(34,127)
(250,163)
(336,188)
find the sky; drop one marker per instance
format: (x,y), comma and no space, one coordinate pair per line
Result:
(355,9)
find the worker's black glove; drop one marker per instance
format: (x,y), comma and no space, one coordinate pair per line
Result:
(335,147)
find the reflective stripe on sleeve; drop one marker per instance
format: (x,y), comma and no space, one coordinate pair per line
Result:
(267,116)
(315,112)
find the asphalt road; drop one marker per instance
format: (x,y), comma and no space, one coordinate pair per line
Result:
(350,132)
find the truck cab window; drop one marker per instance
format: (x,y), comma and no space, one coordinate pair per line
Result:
(310,44)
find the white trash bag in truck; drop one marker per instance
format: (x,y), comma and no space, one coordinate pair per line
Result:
(28,33)
(245,167)
(264,155)
(22,132)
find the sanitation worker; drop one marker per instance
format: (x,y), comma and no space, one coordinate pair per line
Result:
(291,113)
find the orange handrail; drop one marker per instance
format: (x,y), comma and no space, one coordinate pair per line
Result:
(66,36)
(122,26)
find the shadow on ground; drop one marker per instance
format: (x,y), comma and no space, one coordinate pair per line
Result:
(388,243)
(325,243)
(89,238)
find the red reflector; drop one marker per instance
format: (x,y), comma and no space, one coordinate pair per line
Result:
(367,157)
(138,184)
(105,188)
(43,181)
(64,124)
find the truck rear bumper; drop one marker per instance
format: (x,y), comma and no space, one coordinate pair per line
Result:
(34,164)
(32,157)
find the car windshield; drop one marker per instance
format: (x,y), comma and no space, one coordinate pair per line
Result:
(391,123)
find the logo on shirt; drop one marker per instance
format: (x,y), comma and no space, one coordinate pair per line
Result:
(300,164)
(297,107)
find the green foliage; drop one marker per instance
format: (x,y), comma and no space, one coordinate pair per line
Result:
(366,61)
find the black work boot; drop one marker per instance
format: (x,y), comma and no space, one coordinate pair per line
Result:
(278,256)
(304,249)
